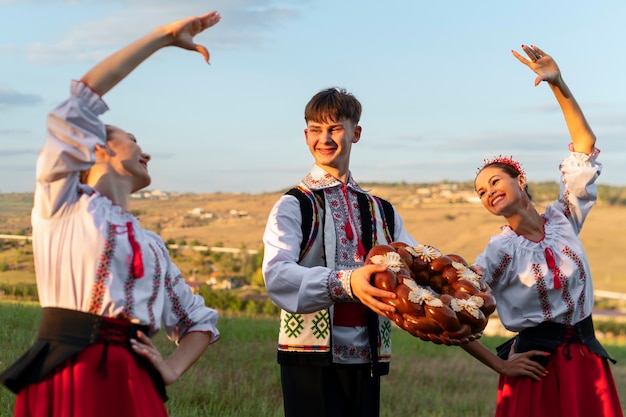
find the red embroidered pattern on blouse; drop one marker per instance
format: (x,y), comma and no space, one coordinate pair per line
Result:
(156,281)
(569,252)
(340,285)
(181,314)
(102,272)
(336,287)
(542,292)
(345,247)
(566,296)
(324,181)
(567,208)
(129,298)
(502,266)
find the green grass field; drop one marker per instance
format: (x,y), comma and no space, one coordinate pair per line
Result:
(238,376)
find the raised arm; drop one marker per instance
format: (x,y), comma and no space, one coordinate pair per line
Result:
(107,73)
(547,70)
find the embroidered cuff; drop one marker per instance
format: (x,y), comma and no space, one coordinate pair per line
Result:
(583,157)
(339,283)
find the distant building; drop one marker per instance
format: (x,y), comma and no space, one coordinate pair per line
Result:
(151,195)
(238,213)
(201,214)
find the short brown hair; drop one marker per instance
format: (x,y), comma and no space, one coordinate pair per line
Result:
(333,104)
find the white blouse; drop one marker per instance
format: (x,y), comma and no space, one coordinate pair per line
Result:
(548,280)
(85,247)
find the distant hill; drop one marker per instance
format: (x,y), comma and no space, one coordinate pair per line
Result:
(166,211)
(438,214)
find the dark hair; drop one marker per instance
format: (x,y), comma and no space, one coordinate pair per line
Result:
(333,104)
(509,170)
(85,173)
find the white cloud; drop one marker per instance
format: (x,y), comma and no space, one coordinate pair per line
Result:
(12,98)
(245,24)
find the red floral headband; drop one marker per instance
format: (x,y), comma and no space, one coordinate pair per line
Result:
(506,160)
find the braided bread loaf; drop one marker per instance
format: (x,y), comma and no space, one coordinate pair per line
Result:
(438,297)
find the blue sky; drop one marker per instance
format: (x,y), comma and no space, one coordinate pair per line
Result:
(440,88)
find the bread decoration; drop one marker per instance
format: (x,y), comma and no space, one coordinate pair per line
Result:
(438,297)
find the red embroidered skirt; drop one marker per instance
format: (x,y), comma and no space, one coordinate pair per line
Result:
(582,386)
(79,388)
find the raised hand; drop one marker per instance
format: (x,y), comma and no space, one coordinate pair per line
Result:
(541,63)
(109,72)
(183,31)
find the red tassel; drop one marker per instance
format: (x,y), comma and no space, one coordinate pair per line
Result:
(552,266)
(136,269)
(349,232)
(361,249)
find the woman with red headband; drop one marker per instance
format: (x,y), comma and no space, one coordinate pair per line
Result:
(541,279)
(106,284)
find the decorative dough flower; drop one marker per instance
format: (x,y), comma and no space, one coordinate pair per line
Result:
(471,305)
(467,274)
(426,252)
(419,294)
(391,259)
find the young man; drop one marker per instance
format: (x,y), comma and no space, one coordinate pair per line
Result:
(334,343)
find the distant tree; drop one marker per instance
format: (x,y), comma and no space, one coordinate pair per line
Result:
(257,278)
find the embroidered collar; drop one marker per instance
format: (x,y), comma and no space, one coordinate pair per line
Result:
(318,179)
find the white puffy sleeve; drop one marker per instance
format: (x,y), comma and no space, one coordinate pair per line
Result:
(579,191)
(74,130)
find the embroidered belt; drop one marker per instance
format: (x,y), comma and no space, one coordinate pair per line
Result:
(547,336)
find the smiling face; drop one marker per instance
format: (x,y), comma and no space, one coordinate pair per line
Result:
(501,193)
(126,158)
(332,119)
(330,143)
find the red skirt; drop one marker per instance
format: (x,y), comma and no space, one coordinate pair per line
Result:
(582,386)
(79,388)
